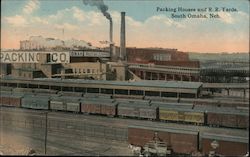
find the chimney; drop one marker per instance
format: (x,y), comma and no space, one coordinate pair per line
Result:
(111,45)
(122,55)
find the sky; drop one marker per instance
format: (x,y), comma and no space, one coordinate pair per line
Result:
(145,26)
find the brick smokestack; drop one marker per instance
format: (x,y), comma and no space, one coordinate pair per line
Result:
(123,55)
(111,40)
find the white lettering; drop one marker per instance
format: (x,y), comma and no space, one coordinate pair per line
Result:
(32,57)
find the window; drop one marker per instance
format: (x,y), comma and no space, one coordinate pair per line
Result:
(88,71)
(93,71)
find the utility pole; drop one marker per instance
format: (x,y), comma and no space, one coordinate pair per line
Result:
(46,131)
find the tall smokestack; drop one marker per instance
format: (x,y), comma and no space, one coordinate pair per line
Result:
(123,38)
(111,40)
(111,31)
(104,9)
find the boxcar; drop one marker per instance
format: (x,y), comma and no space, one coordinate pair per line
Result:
(8,99)
(35,102)
(127,110)
(5,99)
(57,103)
(179,112)
(148,112)
(108,108)
(91,106)
(225,116)
(73,107)
(65,103)
(227,145)
(180,140)
(15,100)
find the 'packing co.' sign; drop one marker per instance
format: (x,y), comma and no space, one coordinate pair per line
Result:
(33,57)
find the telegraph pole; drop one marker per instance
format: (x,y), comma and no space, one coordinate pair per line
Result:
(46,131)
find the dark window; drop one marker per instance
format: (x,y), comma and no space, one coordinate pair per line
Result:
(168,94)
(70,89)
(152,93)
(44,87)
(187,95)
(121,91)
(12,84)
(136,92)
(106,91)
(55,87)
(21,85)
(80,89)
(33,86)
(92,90)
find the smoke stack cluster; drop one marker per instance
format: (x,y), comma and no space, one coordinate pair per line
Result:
(123,55)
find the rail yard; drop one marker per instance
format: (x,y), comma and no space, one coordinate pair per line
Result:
(67,97)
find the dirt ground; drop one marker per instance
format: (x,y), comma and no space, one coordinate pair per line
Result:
(13,145)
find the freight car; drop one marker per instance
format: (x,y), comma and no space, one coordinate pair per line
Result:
(137,110)
(9,99)
(65,103)
(182,113)
(225,116)
(227,145)
(214,102)
(99,106)
(35,102)
(179,140)
(214,116)
(189,141)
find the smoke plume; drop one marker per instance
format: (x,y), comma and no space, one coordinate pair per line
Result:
(100,5)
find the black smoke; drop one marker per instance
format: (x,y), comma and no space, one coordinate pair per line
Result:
(100,5)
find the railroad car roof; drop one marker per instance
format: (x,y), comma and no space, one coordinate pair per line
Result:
(136,105)
(11,95)
(37,97)
(98,102)
(221,110)
(66,98)
(175,106)
(165,129)
(223,137)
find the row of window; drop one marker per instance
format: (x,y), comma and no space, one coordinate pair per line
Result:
(84,71)
(104,90)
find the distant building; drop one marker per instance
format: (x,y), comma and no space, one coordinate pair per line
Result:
(40,43)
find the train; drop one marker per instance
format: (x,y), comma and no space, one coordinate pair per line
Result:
(98,104)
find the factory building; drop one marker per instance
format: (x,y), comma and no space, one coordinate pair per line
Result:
(112,63)
(160,56)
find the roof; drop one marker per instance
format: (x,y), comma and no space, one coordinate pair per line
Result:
(224,137)
(136,105)
(99,101)
(143,83)
(66,98)
(166,129)
(221,110)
